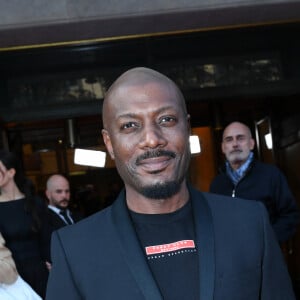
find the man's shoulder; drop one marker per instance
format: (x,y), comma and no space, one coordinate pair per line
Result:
(227,213)
(228,200)
(98,220)
(265,166)
(266,171)
(86,234)
(51,212)
(233,205)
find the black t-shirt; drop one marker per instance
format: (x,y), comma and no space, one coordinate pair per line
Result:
(168,241)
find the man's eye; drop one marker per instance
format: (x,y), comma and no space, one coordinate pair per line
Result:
(129,125)
(167,119)
(241,138)
(228,140)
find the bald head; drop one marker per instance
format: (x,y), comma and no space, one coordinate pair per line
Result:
(138,77)
(144,117)
(237,126)
(54,179)
(58,191)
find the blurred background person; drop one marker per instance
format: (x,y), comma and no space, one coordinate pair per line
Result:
(59,196)
(89,199)
(23,223)
(245,177)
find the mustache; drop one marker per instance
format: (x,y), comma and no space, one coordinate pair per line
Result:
(64,200)
(236,150)
(155,153)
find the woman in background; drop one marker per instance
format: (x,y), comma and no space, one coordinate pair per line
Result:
(23,223)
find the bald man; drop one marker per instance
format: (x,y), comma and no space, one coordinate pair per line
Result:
(245,177)
(161,238)
(58,195)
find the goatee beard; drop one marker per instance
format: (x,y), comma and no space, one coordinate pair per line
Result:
(161,190)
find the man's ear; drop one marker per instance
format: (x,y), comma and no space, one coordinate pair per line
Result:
(107,143)
(47,194)
(222,147)
(252,144)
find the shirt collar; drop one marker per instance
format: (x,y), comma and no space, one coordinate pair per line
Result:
(236,175)
(55,209)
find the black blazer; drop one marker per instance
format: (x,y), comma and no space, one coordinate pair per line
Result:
(239,257)
(56,222)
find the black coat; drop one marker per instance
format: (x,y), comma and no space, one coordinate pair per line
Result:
(239,257)
(265,183)
(55,221)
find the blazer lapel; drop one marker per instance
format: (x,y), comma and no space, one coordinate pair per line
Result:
(205,244)
(56,221)
(135,257)
(132,251)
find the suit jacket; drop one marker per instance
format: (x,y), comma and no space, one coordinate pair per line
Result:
(239,257)
(56,222)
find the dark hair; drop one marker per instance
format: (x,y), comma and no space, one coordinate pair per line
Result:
(10,161)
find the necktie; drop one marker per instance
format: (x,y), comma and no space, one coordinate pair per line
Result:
(66,217)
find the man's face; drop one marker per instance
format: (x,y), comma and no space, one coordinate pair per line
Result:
(237,144)
(148,136)
(58,193)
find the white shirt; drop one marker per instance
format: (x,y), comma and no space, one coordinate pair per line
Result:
(19,290)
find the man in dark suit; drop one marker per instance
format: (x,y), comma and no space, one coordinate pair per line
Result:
(58,195)
(162,239)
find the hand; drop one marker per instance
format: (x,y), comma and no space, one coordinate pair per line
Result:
(48,265)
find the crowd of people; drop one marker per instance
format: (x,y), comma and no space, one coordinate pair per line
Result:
(159,238)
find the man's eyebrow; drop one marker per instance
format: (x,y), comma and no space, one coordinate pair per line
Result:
(135,115)
(228,137)
(233,136)
(128,115)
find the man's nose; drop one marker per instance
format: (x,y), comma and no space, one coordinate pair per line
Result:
(235,142)
(65,194)
(152,137)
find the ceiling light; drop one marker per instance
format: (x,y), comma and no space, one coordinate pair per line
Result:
(92,158)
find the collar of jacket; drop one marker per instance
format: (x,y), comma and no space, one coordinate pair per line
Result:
(222,168)
(135,257)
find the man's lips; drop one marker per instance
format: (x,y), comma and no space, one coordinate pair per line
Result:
(155,161)
(64,201)
(155,164)
(236,151)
